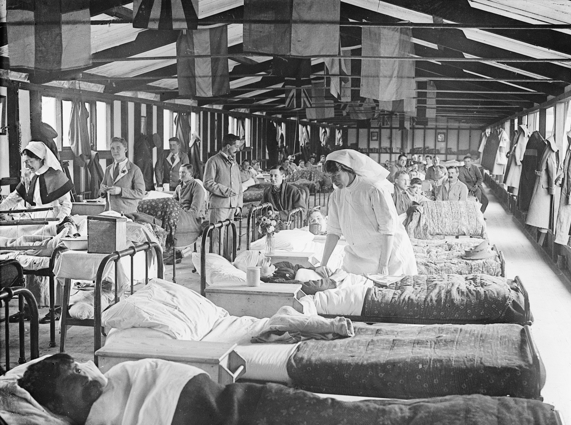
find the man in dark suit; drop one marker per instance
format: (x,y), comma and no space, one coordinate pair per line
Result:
(471,176)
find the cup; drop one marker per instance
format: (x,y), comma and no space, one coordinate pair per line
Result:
(166,187)
(253,276)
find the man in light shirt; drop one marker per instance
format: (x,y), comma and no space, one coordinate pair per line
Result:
(453,189)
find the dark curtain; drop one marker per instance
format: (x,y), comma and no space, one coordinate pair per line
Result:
(272,143)
(143,158)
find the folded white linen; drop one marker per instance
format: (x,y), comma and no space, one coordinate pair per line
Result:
(342,301)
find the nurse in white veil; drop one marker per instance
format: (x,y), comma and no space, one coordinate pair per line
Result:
(362,210)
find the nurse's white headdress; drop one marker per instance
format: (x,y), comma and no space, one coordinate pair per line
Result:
(41,151)
(361,164)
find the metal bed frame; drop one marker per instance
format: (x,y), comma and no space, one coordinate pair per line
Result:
(229,252)
(7,293)
(253,215)
(67,321)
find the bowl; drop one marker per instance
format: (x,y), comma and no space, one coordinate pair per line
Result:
(76,244)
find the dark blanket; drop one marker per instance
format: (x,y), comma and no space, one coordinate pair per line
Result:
(448,298)
(412,361)
(204,402)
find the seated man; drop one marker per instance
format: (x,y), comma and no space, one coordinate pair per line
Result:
(471,176)
(401,196)
(159,392)
(401,165)
(430,173)
(191,196)
(432,187)
(453,189)
(283,196)
(415,191)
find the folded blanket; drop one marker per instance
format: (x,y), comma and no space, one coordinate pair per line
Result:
(288,326)
(45,244)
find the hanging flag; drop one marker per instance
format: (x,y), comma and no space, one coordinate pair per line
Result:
(321,107)
(79,133)
(165,14)
(361,110)
(206,75)
(340,71)
(383,79)
(425,102)
(304,27)
(48,35)
(297,82)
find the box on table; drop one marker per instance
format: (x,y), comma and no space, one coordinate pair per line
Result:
(106,235)
(218,359)
(257,301)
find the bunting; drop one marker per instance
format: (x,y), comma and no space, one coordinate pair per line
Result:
(297,82)
(388,80)
(304,27)
(48,35)
(321,107)
(206,75)
(165,14)
(339,70)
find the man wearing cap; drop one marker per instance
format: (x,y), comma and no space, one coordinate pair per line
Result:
(470,175)
(453,189)
(222,180)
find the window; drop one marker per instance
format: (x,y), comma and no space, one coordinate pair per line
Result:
(549,122)
(49,115)
(66,119)
(102,134)
(169,129)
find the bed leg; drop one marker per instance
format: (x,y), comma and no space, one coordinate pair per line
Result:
(64,307)
(52,312)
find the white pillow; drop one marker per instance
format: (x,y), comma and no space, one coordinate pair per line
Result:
(286,240)
(219,271)
(166,307)
(248,259)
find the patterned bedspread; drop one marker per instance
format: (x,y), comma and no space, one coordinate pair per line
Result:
(448,298)
(253,194)
(412,361)
(446,257)
(438,219)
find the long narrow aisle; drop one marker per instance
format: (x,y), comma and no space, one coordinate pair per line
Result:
(550,298)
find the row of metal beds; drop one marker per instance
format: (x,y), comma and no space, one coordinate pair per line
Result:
(397,360)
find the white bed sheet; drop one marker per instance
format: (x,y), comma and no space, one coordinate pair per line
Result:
(264,362)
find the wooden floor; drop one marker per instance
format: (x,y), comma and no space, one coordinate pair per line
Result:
(549,290)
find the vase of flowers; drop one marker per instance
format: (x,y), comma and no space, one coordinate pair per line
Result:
(268,225)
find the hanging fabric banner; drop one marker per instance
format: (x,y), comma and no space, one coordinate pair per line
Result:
(165,14)
(321,107)
(388,80)
(340,71)
(206,75)
(297,82)
(304,27)
(79,133)
(48,35)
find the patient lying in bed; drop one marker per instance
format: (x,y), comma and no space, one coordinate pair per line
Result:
(161,392)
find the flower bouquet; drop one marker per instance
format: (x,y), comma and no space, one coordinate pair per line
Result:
(268,225)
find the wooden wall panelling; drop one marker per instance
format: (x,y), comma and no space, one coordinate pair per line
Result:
(131,129)
(212,133)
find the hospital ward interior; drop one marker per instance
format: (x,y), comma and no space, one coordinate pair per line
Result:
(285,212)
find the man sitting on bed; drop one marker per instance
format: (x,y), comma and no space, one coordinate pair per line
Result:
(283,196)
(159,392)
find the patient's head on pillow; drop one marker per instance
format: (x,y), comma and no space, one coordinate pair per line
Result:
(59,384)
(315,217)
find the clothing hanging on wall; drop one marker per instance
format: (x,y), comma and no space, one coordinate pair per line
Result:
(490,150)
(143,158)
(547,170)
(513,172)
(501,153)
(563,222)
(536,145)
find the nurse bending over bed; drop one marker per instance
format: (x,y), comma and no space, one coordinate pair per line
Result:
(362,210)
(49,186)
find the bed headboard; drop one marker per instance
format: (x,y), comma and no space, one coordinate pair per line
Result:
(296,218)
(256,212)
(226,246)
(11,286)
